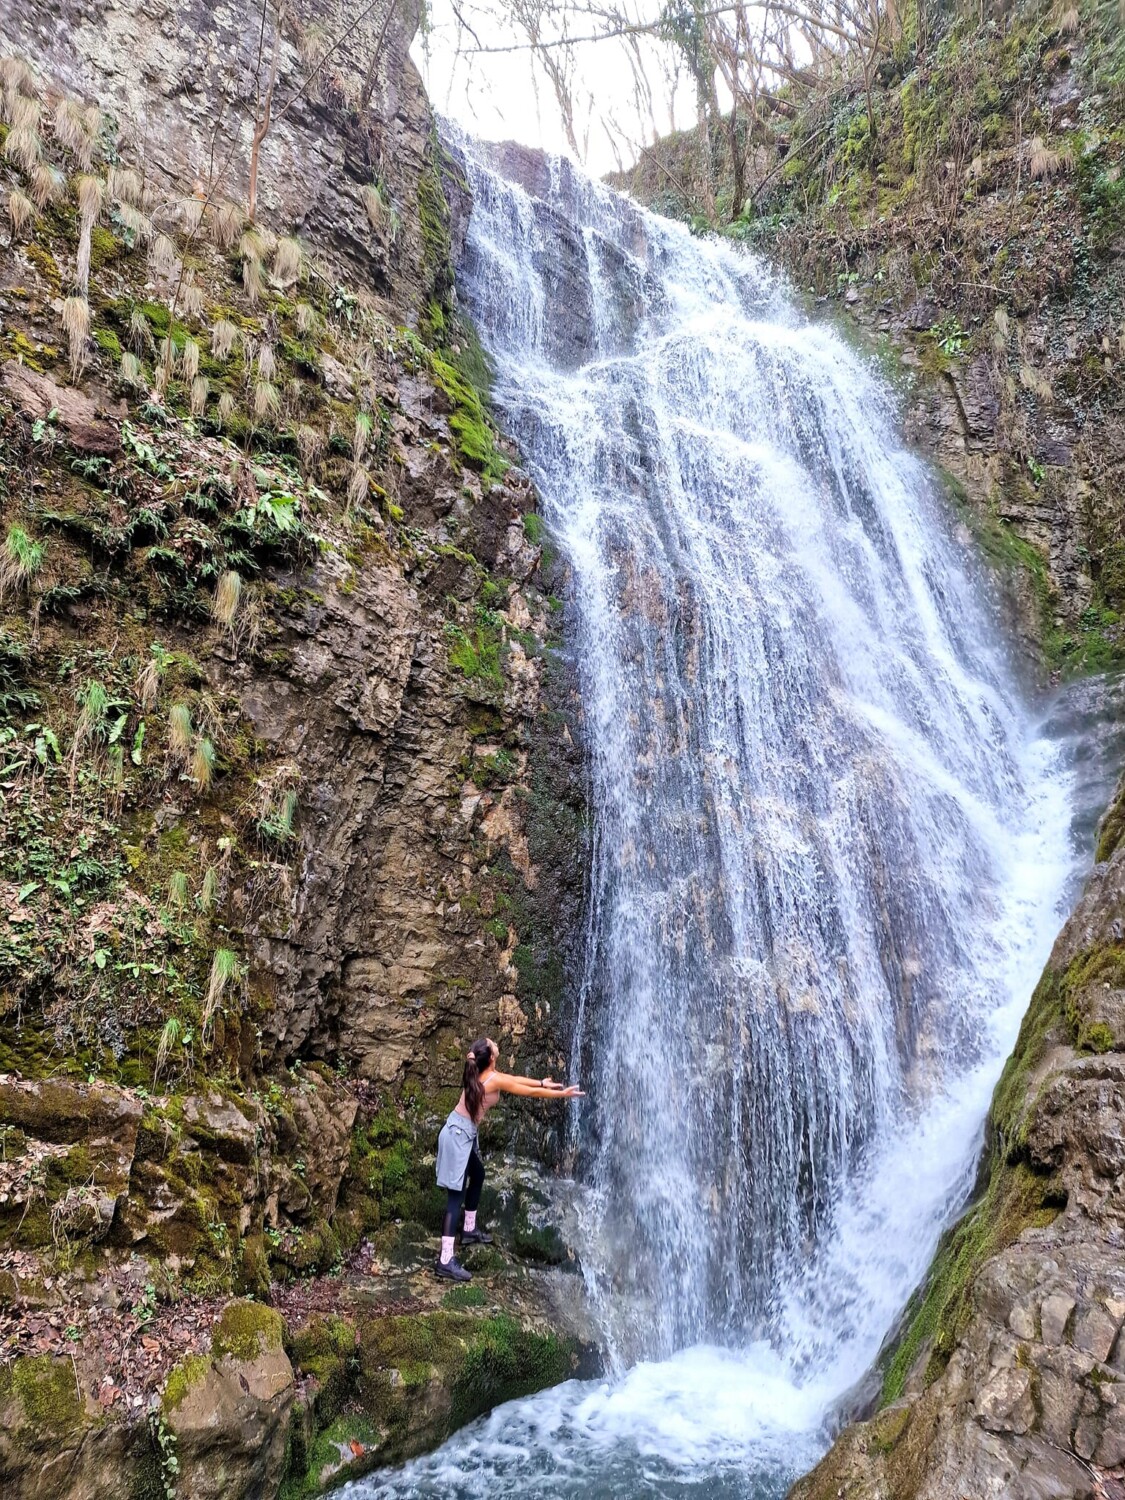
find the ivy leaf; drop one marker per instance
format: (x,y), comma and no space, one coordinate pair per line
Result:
(100,956)
(26,890)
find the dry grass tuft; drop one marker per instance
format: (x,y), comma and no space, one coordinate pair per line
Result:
(225,970)
(24,113)
(132,371)
(267,403)
(266,363)
(21,211)
(252,245)
(224,336)
(306,319)
(1036,381)
(23,147)
(1043,163)
(202,770)
(310,446)
(125,186)
(90,192)
(189,359)
(227,407)
(69,125)
(288,261)
(191,213)
(252,283)
(135,223)
(180,734)
(191,299)
(1068,20)
(357,485)
(226,224)
(16,76)
(140,334)
(162,258)
(378,213)
(148,685)
(200,390)
(47,185)
(228,593)
(76,326)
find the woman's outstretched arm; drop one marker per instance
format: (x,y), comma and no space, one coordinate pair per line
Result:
(528,1088)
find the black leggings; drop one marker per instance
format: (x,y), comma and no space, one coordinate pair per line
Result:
(470,1191)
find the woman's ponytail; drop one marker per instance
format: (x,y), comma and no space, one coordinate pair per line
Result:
(478,1061)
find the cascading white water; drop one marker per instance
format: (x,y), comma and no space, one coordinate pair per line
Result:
(829,847)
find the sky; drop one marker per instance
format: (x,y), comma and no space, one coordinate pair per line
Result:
(507,96)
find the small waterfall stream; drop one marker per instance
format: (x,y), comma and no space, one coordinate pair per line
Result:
(830,844)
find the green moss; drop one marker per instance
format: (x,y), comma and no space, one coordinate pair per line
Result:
(247,1329)
(45,263)
(543,1244)
(504,1361)
(468,422)
(458,1298)
(104,247)
(1097,1037)
(186,1375)
(333,1458)
(34,356)
(48,1392)
(533,528)
(108,342)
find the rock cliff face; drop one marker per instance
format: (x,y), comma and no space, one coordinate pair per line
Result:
(293,795)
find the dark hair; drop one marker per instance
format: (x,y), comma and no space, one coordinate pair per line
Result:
(478,1061)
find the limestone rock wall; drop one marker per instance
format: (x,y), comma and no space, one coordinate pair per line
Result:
(294,802)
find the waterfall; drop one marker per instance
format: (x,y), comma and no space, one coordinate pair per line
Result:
(829,847)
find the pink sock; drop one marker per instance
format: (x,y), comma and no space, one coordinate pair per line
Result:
(470,1219)
(446,1249)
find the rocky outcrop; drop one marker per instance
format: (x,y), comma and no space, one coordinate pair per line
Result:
(294,805)
(1008,1377)
(186,85)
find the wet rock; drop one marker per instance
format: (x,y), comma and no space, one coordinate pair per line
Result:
(1054,1316)
(1005,1404)
(91,422)
(229,1413)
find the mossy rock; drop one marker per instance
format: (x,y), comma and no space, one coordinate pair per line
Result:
(183,1378)
(423,1376)
(47,1393)
(247,1329)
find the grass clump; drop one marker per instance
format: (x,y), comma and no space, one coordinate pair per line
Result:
(20,561)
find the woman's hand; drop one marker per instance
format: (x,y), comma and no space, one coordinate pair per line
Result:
(572,1091)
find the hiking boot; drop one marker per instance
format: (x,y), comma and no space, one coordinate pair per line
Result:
(475,1237)
(452,1270)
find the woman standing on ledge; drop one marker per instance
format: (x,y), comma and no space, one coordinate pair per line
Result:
(459,1167)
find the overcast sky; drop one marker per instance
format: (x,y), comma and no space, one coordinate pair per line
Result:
(506,95)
